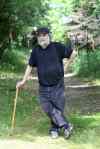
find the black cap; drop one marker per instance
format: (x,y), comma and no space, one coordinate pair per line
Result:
(44,30)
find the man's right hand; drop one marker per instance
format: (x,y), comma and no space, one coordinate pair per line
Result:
(20,84)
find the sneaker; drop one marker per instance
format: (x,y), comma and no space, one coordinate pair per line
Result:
(68,131)
(54,134)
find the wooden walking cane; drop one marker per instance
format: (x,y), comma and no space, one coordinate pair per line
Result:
(14,110)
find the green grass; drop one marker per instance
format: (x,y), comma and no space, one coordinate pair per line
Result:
(32,124)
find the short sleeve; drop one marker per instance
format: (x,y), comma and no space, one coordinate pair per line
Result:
(65,50)
(32,59)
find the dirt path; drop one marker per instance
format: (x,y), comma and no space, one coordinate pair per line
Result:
(82,96)
(39,143)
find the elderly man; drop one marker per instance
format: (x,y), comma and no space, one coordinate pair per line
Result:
(48,57)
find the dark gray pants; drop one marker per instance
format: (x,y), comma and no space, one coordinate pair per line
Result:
(52,100)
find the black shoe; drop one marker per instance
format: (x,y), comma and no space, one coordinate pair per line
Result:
(68,131)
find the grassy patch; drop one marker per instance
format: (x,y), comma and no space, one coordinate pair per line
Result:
(32,124)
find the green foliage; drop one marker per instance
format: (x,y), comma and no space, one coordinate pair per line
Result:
(92,7)
(14,60)
(87,64)
(97,9)
(16,15)
(56,15)
(76,3)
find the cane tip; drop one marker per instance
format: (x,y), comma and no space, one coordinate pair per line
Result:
(11,132)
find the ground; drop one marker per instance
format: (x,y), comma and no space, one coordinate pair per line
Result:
(31,130)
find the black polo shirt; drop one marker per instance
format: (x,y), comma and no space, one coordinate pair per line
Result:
(49,62)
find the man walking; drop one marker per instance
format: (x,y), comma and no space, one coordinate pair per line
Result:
(48,57)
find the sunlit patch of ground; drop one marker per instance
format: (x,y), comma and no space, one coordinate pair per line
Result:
(44,143)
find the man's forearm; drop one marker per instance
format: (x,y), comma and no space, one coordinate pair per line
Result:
(69,61)
(27,73)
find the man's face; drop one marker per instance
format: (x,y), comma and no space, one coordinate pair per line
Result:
(43,40)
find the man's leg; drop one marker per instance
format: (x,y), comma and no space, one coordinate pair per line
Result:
(58,99)
(52,101)
(47,107)
(46,103)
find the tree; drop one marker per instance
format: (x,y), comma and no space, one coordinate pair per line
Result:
(17,15)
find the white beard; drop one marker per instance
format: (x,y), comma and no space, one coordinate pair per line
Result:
(44,43)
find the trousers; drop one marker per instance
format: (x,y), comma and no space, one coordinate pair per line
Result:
(52,100)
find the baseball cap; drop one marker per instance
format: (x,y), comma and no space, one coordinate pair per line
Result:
(43,30)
